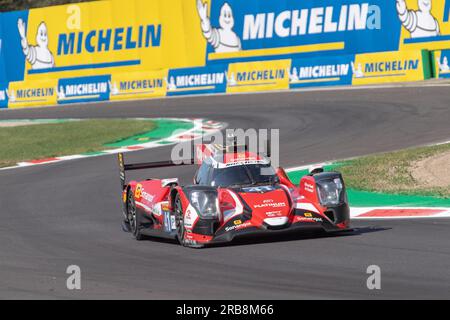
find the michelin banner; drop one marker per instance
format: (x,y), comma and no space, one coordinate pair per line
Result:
(258,76)
(404,66)
(151,84)
(126,49)
(32,93)
(253,29)
(100,37)
(197,80)
(441,67)
(324,71)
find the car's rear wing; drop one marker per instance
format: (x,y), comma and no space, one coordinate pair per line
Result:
(147,165)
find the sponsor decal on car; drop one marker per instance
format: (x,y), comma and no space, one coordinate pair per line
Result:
(138,191)
(167,221)
(238,227)
(270,204)
(147,197)
(190,217)
(258,189)
(274,213)
(307,219)
(309,187)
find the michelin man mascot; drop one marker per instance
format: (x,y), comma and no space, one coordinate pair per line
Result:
(443,67)
(357,72)
(420,23)
(171,85)
(293,77)
(38,56)
(11,95)
(223,39)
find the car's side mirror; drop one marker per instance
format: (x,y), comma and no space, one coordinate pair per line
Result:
(195,179)
(283,178)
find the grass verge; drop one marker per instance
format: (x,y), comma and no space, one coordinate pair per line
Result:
(392,172)
(42,141)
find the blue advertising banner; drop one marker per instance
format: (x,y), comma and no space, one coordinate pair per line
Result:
(213,46)
(11,53)
(84,89)
(197,80)
(324,71)
(244,29)
(442,65)
(3,96)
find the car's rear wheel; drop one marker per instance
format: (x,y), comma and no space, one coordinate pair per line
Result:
(133,216)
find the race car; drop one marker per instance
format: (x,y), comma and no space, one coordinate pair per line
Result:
(235,193)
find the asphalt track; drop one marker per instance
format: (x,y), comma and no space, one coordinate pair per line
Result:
(68,213)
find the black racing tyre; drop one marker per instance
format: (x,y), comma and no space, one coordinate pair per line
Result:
(133,216)
(179,220)
(181,230)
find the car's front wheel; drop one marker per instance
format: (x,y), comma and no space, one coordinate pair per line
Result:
(133,216)
(181,229)
(179,220)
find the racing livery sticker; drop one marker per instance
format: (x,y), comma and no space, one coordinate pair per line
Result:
(190,217)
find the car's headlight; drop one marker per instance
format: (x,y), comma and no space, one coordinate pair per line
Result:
(206,203)
(330,192)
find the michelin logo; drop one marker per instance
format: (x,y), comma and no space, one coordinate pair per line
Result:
(261,75)
(317,72)
(110,40)
(195,80)
(420,23)
(85,89)
(222,39)
(134,85)
(34,93)
(293,23)
(39,56)
(391,66)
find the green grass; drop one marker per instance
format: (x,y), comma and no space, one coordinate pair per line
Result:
(391,172)
(49,140)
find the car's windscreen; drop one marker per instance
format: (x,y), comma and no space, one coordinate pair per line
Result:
(262,173)
(243,175)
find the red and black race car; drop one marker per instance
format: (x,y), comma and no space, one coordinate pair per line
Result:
(235,192)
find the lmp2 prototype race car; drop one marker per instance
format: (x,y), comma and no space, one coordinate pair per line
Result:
(235,193)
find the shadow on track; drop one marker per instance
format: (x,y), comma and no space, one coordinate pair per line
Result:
(288,237)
